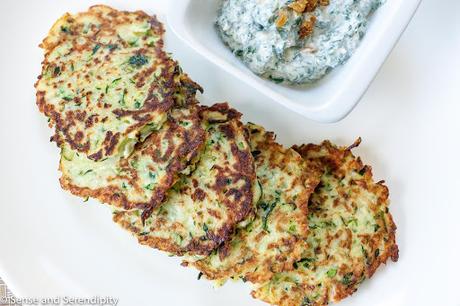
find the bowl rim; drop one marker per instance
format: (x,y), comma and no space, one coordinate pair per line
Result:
(341,103)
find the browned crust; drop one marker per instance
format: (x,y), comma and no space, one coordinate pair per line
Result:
(112,16)
(267,152)
(179,159)
(226,113)
(333,161)
(164,244)
(185,155)
(391,251)
(65,122)
(238,202)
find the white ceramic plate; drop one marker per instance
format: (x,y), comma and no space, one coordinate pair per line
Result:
(329,100)
(52,243)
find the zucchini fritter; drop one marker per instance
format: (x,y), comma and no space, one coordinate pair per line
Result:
(106,82)
(203,209)
(275,239)
(351,233)
(142,179)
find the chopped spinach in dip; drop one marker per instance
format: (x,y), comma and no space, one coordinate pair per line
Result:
(273,38)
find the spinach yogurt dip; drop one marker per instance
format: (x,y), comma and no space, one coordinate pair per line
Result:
(294,42)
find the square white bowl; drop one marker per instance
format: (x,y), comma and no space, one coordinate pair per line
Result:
(328,100)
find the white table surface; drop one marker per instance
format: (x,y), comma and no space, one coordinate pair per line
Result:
(409,121)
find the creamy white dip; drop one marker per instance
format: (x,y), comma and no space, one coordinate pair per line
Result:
(249,28)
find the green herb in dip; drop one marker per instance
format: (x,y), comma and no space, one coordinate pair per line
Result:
(294,42)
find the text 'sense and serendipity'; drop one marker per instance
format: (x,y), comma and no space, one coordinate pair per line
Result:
(59,300)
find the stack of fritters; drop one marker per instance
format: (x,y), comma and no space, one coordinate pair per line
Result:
(124,114)
(203,208)
(305,225)
(351,233)
(275,239)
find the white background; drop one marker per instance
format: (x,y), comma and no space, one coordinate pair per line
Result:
(52,243)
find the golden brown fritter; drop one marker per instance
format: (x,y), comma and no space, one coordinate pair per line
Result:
(142,179)
(275,239)
(204,208)
(351,233)
(106,82)
(109,88)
